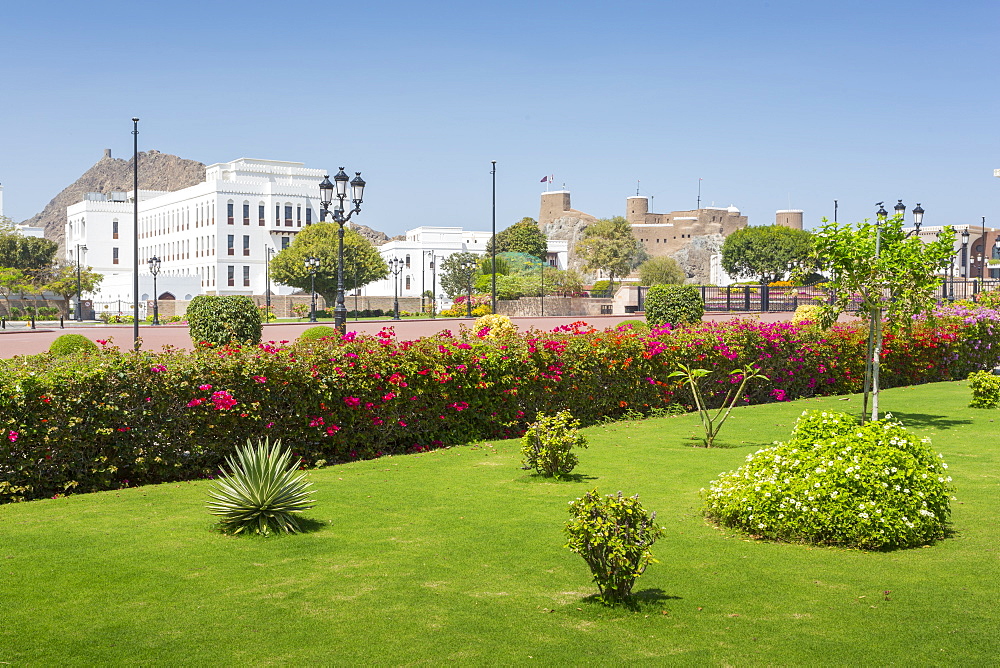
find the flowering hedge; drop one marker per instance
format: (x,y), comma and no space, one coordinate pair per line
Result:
(122,418)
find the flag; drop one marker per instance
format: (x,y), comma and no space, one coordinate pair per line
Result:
(545,179)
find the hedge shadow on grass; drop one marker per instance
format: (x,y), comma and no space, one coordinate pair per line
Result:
(928,420)
(644,600)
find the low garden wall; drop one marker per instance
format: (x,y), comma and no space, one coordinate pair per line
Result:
(85,423)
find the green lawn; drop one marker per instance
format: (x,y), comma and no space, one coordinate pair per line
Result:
(457,556)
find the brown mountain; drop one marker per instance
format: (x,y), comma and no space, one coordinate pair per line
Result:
(157,171)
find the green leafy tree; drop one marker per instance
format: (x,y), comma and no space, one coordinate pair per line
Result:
(608,245)
(661,271)
(63,282)
(361,260)
(12,282)
(563,280)
(454,277)
(6,226)
(31,255)
(881,270)
(765,252)
(524,236)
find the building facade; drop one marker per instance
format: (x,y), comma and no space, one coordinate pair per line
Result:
(424,249)
(211,238)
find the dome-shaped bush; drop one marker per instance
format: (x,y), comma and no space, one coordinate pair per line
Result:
(317,332)
(67,344)
(836,482)
(499,326)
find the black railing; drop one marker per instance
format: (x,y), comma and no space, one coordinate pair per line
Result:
(752,298)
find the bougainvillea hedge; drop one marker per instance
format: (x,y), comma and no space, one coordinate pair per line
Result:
(113,419)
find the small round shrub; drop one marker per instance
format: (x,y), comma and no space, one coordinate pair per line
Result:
(224,319)
(498,325)
(68,344)
(602,285)
(806,313)
(985,390)
(547,444)
(317,332)
(613,534)
(674,304)
(640,326)
(835,482)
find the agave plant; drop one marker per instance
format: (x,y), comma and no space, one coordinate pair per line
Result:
(261,492)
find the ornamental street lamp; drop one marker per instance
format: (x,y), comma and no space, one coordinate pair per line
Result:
(434,260)
(326,189)
(918,217)
(79,295)
(135,233)
(154,269)
(965,260)
(312,266)
(268,252)
(396,267)
(469,267)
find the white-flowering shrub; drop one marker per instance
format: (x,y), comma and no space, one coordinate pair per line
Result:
(835,482)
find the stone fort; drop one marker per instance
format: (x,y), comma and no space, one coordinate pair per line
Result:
(691,237)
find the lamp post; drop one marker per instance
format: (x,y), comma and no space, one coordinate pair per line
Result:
(434,260)
(312,266)
(327,194)
(965,261)
(79,294)
(396,267)
(268,252)
(542,290)
(154,269)
(468,267)
(135,232)
(918,218)
(493,243)
(423,280)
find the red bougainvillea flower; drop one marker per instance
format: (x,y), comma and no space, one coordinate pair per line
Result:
(352,401)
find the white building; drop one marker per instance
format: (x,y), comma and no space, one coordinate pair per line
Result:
(425,248)
(211,238)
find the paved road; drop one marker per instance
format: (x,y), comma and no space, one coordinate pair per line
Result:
(17,340)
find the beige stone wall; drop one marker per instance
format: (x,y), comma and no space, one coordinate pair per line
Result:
(281,305)
(532,306)
(789,218)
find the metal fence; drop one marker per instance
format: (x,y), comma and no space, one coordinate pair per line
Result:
(774,299)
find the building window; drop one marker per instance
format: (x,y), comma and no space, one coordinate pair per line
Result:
(114,256)
(407,264)
(277,215)
(246,244)
(309,216)
(407,283)
(230,250)
(298,216)
(229,213)
(284,243)
(232,275)
(288,215)
(260,214)
(246,276)
(114,229)
(246,213)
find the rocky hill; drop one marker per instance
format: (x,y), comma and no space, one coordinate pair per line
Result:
(157,171)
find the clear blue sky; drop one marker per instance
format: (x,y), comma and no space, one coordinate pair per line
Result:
(774,104)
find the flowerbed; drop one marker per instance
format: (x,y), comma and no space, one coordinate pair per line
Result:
(120,418)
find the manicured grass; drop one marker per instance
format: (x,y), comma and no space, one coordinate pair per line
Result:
(457,556)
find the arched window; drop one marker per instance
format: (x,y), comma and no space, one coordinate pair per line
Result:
(229,212)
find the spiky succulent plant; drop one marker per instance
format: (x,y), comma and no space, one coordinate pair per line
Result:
(262,491)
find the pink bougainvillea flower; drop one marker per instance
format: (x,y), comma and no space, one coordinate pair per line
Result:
(12,436)
(332,429)
(260,379)
(352,401)
(194,402)
(316,422)
(158,368)
(204,387)
(222,400)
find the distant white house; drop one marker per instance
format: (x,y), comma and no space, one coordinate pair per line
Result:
(425,248)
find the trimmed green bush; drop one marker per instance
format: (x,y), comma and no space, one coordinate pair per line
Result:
(835,482)
(317,332)
(640,326)
(221,320)
(613,534)
(261,493)
(546,445)
(673,304)
(68,344)
(985,390)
